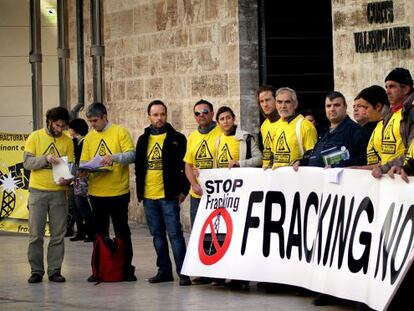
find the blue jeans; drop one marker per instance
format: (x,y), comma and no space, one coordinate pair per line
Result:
(194,203)
(163,216)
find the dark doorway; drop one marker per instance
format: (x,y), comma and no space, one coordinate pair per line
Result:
(296,50)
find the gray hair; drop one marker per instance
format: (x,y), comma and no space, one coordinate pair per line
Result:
(288,90)
(96,109)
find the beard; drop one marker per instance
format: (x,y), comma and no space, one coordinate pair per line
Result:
(52,132)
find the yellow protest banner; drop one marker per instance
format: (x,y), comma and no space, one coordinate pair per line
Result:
(14,183)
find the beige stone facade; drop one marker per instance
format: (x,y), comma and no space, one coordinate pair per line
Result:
(354,71)
(176,51)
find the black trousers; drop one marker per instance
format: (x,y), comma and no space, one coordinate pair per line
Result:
(115,208)
(83,216)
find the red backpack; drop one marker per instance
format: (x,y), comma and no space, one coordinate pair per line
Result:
(108,259)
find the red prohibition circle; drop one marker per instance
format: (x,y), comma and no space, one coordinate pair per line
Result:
(220,249)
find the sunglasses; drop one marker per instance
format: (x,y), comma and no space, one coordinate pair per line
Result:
(204,111)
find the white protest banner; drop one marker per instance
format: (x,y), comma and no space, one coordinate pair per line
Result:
(352,239)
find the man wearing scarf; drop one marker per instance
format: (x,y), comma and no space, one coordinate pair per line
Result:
(398,128)
(162,185)
(201,148)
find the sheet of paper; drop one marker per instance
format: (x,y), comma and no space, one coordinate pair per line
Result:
(93,165)
(334,174)
(61,170)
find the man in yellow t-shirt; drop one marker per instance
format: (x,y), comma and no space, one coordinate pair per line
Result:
(266,99)
(109,187)
(398,127)
(162,185)
(201,148)
(47,199)
(294,135)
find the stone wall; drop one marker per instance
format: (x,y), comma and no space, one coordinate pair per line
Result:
(178,51)
(354,71)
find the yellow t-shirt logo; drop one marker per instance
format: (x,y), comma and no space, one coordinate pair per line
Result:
(267,147)
(372,155)
(282,145)
(389,141)
(224,157)
(103,149)
(388,133)
(154,161)
(154,179)
(282,151)
(392,143)
(203,157)
(51,149)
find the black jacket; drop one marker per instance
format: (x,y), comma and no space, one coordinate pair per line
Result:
(173,151)
(347,134)
(78,145)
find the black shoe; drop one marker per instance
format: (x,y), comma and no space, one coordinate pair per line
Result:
(35,278)
(364,307)
(130,278)
(130,274)
(77,237)
(263,284)
(237,284)
(326,300)
(159,278)
(91,279)
(218,282)
(202,280)
(89,238)
(185,281)
(57,277)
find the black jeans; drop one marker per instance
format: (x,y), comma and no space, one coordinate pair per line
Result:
(116,209)
(83,216)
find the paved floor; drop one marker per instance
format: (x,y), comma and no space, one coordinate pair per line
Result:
(77,294)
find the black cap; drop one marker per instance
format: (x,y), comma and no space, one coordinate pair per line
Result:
(374,94)
(400,75)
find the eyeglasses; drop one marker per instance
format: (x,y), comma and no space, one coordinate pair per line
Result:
(204,111)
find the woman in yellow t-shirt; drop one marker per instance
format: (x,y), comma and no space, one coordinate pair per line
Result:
(235,147)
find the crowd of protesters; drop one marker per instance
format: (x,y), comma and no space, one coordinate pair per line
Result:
(378,137)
